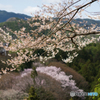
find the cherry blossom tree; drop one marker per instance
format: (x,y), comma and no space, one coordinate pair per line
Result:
(61,33)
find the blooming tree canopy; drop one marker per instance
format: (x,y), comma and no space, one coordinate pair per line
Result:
(60,76)
(61,33)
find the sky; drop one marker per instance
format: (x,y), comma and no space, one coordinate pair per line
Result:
(30,6)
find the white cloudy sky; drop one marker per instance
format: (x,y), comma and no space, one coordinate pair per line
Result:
(30,6)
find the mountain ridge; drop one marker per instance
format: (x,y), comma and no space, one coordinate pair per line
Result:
(4,15)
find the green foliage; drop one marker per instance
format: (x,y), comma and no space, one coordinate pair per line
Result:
(15,25)
(71,99)
(61,55)
(40,52)
(34,74)
(97,89)
(40,94)
(87,63)
(88,70)
(24,66)
(32,94)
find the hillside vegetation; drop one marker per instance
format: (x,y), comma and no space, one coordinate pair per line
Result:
(15,24)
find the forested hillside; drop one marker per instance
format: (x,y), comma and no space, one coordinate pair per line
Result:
(15,24)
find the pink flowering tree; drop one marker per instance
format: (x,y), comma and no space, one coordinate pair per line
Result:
(56,21)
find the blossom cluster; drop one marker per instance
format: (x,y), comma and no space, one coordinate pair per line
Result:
(61,34)
(60,76)
(56,73)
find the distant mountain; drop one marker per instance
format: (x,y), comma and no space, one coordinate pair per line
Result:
(87,22)
(17,23)
(4,15)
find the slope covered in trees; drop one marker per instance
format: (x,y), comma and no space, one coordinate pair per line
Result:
(87,63)
(15,24)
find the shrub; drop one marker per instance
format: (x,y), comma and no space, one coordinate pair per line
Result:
(32,94)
